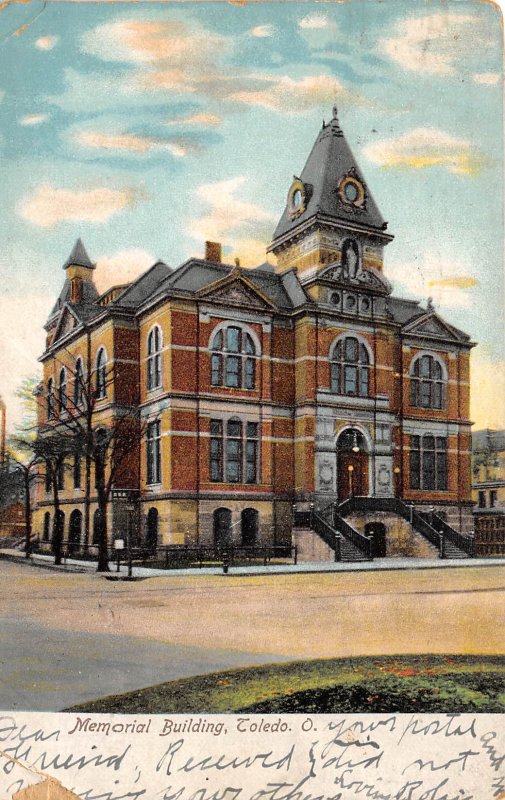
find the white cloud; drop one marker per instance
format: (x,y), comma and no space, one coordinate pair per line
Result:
(313,22)
(241,225)
(138,41)
(486,78)
(122,267)
(50,205)
(449,280)
(422,148)
(289,96)
(46,42)
(434,44)
(262,31)
(133,143)
(203,119)
(33,119)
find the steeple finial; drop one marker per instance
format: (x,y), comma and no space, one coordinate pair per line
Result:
(335,111)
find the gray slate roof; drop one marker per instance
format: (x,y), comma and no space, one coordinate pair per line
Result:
(89,295)
(145,285)
(284,291)
(330,160)
(79,257)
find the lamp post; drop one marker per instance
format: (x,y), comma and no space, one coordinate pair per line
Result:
(350,470)
(397,472)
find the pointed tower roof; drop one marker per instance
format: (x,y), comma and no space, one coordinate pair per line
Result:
(79,257)
(330,168)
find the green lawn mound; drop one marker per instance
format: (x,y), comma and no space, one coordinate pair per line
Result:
(365,684)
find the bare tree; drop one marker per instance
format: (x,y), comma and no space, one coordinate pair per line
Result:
(106,446)
(21,453)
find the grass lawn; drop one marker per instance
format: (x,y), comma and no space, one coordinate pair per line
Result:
(378,683)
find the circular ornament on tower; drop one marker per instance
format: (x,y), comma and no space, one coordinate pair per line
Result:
(351,192)
(297,198)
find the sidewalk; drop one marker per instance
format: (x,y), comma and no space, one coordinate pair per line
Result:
(379,564)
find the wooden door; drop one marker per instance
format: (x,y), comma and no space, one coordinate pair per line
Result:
(352,481)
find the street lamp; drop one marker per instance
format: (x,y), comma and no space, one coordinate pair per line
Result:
(350,470)
(355,445)
(396,472)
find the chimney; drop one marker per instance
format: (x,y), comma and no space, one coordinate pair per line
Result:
(213,252)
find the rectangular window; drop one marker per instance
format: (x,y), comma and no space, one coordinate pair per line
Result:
(233,460)
(492,498)
(428,463)
(233,371)
(154,452)
(441,463)
(350,380)
(216,378)
(249,376)
(415,463)
(363,381)
(77,472)
(233,340)
(482,499)
(216,450)
(251,467)
(437,395)
(61,475)
(425,394)
(335,378)
(414,393)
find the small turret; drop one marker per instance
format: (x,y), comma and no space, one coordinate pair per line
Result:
(78,267)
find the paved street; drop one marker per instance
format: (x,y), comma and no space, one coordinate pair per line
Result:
(66,638)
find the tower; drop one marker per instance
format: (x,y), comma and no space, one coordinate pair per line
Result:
(79,271)
(330,215)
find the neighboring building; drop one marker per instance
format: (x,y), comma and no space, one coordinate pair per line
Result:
(12,501)
(488,491)
(270,387)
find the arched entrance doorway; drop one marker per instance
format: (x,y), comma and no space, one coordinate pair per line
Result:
(352,464)
(152,530)
(249,523)
(377,532)
(222,528)
(74,531)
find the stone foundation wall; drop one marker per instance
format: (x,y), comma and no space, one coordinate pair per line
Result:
(401,540)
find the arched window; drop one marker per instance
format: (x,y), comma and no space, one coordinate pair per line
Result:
(426,383)
(233,360)
(154,358)
(101,374)
(249,527)
(78,383)
(50,399)
(62,390)
(350,368)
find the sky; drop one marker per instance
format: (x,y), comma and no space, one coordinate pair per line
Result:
(147,128)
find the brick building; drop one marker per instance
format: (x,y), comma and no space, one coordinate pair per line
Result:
(269,388)
(488,467)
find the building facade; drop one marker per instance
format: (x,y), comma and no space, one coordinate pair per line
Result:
(488,468)
(263,389)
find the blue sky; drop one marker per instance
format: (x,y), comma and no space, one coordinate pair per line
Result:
(146,128)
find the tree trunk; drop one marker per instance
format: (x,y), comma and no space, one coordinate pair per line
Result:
(28,516)
(87,500)
(58,527)
(103,545)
